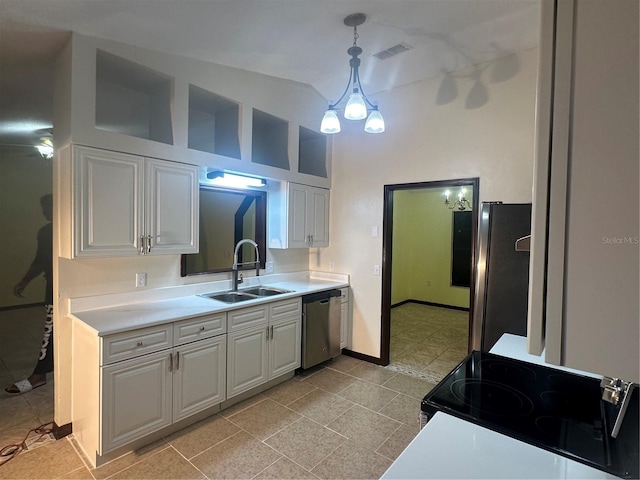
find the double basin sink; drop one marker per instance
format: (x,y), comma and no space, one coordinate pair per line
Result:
(245,294)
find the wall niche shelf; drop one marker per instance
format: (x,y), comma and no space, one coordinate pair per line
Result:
(312,153)
(213,123)
(132,99)
(270,140)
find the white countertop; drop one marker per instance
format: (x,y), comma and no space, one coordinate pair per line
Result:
(109,314)
(448,447)
(515,346)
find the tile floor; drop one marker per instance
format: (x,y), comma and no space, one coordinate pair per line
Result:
(426,341)
(345,419)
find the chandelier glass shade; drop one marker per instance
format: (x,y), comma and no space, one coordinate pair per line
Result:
(357,103)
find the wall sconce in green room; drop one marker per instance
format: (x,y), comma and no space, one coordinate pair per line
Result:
(461,203)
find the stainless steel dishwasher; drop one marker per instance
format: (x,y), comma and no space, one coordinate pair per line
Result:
(320,327)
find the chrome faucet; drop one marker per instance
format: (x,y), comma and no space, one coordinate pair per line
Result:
(234,268)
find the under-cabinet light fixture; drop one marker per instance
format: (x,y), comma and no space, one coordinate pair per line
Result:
(356,107)
(461,203)
(234,180)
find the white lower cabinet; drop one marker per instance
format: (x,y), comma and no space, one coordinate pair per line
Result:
(130,384)
(148,393)
(199,376)
(263,342)
(136,399)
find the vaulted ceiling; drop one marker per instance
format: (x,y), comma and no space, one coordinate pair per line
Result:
(300,40)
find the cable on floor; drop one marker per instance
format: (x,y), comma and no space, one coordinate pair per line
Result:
(10,451)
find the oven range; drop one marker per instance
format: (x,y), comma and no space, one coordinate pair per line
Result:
(558,411)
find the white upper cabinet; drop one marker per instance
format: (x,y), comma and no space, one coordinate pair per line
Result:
(585,250)
(298,216)
(127,205)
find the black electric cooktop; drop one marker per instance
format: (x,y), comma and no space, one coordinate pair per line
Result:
(559,411)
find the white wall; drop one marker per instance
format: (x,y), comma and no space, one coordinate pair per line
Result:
(425,141)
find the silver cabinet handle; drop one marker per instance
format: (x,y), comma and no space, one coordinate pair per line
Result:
(202,328)
(171,362)
(177,360)
(142,244)
(271,332)
(311,240)
(149,243)
(139,344)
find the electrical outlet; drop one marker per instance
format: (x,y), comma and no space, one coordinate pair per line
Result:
(141,279)
(376,269)
(374,231)
(332,266)
(269,267)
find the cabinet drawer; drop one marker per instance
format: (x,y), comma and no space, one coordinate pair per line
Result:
(134,343)
(247,317)
(286,308)
(196,328)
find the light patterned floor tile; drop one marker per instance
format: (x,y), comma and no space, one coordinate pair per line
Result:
(202,435)
(330,380)
(166,464)
(398,441)
(320,406)
(285,469)
(306,442)
(289,391)
(364,427)
(264,419)
(352,461)
(368,395)
(239,456)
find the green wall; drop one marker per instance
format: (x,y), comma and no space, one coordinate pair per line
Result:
(24,178)
(422,237)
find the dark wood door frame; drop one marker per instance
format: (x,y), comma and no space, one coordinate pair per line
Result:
(387,248)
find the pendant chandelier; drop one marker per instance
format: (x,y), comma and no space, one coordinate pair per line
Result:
(356,107)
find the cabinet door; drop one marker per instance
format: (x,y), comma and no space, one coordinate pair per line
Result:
(247,359)
(297,216)
(198,376)
(284,346)
(318,217)
(108,203)
(172,207)
(136,399)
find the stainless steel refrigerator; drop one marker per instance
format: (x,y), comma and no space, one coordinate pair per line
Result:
(502,280)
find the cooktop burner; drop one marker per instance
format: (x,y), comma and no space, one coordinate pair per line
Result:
(552,409)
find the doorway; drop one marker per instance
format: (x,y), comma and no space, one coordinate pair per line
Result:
(428,271)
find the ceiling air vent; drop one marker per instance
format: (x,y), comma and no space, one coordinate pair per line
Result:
(391,51)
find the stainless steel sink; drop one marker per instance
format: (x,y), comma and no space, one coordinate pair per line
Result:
(230,297)
(245,294)
(265,291)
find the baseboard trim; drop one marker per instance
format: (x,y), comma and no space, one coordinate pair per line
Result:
(362,356)
(18,307)
(431,304)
